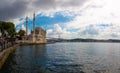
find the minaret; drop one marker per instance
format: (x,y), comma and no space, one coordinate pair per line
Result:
(34,38)
(34,22)
(26,26)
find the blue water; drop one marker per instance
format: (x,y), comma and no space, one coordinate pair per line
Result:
(65,58)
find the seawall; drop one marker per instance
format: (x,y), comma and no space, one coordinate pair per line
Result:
(5,54)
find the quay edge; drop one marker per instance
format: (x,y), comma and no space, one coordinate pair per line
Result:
(5,54)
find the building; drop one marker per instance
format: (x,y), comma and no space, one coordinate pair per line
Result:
(37,35)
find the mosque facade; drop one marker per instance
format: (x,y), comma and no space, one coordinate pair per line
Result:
(37,35)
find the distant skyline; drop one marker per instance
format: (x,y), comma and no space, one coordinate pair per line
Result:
(98,19)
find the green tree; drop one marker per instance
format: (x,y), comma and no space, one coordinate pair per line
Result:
(8,27)
(21,33)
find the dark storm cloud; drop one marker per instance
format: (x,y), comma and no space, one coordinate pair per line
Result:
(44,4)
(48,4)
(12,9)
(73,3)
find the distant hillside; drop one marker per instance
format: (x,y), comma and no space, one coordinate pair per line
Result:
(82,40)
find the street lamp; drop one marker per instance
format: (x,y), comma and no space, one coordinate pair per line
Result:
(1,46)
(5,39)
(0,34)
(0,37)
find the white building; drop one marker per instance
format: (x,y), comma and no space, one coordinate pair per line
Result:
(38,35)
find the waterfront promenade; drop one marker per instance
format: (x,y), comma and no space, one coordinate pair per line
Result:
(5,54)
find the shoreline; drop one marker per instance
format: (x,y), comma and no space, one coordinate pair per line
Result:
(5,54)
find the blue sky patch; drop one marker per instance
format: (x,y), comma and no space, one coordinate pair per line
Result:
(47,22)
(104,25)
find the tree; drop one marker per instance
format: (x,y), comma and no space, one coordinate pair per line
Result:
(21,33)
(9,27)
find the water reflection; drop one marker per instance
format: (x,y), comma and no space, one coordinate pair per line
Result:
(26,59)
(65,58)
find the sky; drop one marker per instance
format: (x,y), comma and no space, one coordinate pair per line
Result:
(69,19)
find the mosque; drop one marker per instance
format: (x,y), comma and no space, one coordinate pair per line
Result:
(37,35)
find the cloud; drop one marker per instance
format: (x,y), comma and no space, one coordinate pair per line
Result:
(23,27)
(12,9)
(90,18)
(55,32)
(59,32)
(89,30)
(19,8)
(98,19)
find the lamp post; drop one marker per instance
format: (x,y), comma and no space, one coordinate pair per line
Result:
(0,41)
(0,34)
(5,39)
